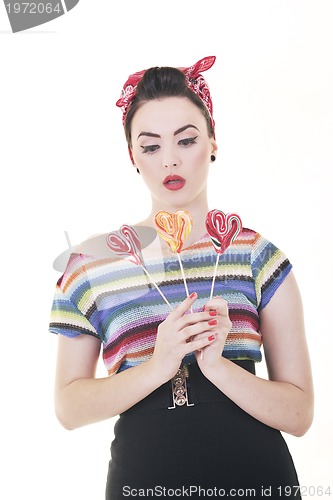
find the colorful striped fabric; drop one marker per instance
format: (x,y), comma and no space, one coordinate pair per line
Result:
(115,301)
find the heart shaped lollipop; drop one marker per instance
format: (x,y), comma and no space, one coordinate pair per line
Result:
(126,242)
(223,229)
(174,228)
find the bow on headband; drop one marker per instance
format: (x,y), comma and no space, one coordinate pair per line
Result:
(195,82)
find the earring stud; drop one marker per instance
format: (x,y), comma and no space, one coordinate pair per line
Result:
(212,158)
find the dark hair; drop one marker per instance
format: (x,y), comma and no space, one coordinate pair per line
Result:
(163,82)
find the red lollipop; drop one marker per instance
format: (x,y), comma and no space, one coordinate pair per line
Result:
(223,229)
(126,242)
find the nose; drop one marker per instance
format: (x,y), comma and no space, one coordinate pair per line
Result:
(171,164)
(170,159)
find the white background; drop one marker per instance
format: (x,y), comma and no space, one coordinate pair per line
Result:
(64,167)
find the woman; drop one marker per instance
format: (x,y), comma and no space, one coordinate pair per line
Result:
(223,436)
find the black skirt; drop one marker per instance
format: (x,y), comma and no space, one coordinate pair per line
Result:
(211,449)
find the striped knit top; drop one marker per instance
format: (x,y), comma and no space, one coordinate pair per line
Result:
(114,300)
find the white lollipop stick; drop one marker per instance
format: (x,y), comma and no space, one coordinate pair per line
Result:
(157,287)
(214,276)
(184,279)
(183,275)
(126,242)
(212,289)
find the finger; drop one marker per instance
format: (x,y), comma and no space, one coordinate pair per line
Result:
(199,328)
(197,344)
(184,306)
(217,304)
(206,335)
(192,319)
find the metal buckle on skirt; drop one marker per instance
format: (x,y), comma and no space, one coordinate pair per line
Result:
(179,388)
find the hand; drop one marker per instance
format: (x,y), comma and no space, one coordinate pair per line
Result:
(179,334)
(211,354)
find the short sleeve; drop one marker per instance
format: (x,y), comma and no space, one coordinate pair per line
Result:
(66,318)
(270,267)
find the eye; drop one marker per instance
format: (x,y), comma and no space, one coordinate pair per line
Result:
(188,141)
(150,149)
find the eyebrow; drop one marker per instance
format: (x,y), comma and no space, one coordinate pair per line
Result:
(179,131)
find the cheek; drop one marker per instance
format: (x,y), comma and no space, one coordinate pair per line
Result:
(143,160)
(202,156)
(147,169)
(148,172)
(135,156)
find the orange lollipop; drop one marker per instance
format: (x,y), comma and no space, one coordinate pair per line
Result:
(174,228)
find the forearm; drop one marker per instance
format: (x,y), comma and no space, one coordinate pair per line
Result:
(280,405)
(86,401)
(81,399)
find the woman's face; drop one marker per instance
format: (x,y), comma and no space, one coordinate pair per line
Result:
(171,149)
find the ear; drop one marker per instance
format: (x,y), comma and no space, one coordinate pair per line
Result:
(130,155)
(214,147)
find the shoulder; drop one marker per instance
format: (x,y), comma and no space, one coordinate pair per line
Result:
(251,240)
(248,235)
(96,252)
(74,263)
(261,247)
(91,251)
(94,246)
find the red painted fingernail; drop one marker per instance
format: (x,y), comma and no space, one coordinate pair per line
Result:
(212,313)
(193,295)
(212,322)
(211,337)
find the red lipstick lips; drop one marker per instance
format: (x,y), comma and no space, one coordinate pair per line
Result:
(174,182)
